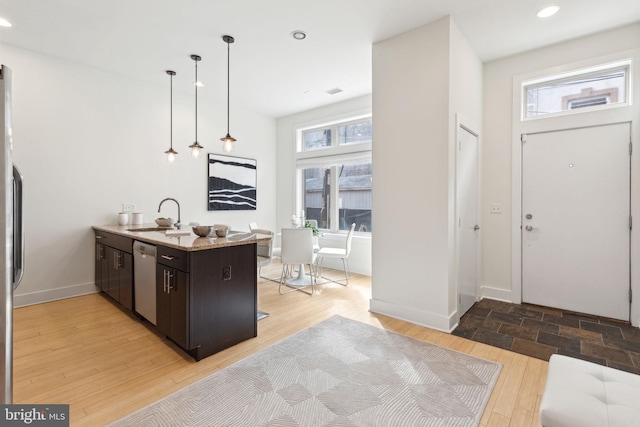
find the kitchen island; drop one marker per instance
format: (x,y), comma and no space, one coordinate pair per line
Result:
(205,287)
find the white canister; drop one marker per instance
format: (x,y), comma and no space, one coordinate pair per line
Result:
(136,218)
(123,218)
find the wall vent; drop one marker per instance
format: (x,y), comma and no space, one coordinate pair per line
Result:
(334,91)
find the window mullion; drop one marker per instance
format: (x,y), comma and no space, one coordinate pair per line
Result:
(335,202)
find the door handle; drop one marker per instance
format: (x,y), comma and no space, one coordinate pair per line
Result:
(18,227)
(530,228)
(164,281)
(476,227)
(169,280)
(166,278)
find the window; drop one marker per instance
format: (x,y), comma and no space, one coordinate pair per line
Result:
(334,175)
(583,90)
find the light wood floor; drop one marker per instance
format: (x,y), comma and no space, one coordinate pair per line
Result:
(88,353)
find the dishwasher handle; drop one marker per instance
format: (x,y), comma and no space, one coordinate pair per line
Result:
(144,249)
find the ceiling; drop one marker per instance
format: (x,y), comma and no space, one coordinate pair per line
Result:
(271,73)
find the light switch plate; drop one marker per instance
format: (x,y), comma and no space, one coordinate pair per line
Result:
(496,208)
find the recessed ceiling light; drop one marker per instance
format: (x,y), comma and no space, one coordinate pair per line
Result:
(334,91)
(299,35)
(547,11)
(4,23)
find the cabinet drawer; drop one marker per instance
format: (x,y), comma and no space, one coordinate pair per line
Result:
(173,258)
(122,243)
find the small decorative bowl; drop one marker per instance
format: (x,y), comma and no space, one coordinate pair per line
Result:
(164,222)
(222,232)
(202,230)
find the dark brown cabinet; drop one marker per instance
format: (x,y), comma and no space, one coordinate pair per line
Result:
(114,267)
(102,272)
(206,300)
(120,282)
(224,297)
(172,299)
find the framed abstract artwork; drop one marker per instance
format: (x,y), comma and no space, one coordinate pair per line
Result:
(232,183)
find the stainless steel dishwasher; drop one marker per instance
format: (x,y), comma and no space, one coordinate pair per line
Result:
(144,274)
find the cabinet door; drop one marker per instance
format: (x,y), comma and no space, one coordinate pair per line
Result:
(102,267)
(113,280)
(163,300)
(171,304)
(179,310)
(125,279)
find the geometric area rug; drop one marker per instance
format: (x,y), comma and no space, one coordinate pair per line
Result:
(337,373)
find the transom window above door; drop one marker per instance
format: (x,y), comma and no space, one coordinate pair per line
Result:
(577,91)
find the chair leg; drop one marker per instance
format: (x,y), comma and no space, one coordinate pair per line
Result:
(273,279)
(286,272)
(346,272)
(345,266)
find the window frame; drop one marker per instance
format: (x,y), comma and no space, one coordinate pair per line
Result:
(330,157)
(624,65)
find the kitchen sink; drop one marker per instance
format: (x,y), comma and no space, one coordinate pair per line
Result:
(149,229)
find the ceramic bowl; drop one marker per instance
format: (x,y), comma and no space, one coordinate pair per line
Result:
(222,232)
(202,230)
(164,222)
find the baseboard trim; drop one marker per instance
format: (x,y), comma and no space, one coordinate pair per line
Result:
(412,315)
(39,297)
(497,294)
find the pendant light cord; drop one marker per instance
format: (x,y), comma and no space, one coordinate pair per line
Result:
(228,55)
(171,110)
(196,85)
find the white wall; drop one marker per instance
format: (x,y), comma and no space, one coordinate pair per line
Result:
(417,87)
(499,265)
(360,257)
(465,108)
(87,141)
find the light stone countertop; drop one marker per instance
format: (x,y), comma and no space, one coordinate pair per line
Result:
(185,242)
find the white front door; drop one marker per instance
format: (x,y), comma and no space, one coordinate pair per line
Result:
(575,220)
(467,202)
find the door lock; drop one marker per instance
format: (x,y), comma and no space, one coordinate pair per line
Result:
(528,216)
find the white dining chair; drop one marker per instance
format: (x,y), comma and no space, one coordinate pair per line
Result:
(297,250)
(336,253)
(275,252)
(264,251)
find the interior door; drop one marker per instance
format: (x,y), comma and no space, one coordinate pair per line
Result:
(467,185)
(575,220)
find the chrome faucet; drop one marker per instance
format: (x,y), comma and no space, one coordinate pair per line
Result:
(178,223)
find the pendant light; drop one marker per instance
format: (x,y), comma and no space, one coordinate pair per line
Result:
(171,153)
(196,147)
(227,141)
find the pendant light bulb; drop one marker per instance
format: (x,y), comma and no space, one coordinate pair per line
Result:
(228,140)
(171,153)
(196,147)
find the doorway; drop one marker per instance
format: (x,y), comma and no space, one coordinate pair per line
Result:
(575,223)
(467,189)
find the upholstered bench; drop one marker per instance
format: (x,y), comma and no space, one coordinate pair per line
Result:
(585,394)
